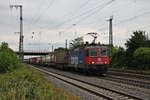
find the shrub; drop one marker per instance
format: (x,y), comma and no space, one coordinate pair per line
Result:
(8,59)
(142,58)
(117,57)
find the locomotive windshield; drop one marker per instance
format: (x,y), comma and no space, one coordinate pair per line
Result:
(103,52)
(93,52)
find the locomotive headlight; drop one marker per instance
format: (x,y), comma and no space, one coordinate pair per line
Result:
(92,62)
(105,62)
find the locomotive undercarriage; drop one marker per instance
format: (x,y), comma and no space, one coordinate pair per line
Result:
(96,69)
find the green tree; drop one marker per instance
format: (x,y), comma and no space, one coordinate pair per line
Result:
(117,57)
(60,49)
(112,50)
(142,58)
(78,42)
(8,59)
(137,40)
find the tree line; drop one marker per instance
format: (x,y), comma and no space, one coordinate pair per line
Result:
(136,55)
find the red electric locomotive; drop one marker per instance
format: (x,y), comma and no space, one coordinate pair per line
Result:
(96,59)
(91,59)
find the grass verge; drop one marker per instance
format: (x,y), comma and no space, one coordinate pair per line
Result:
(27,84)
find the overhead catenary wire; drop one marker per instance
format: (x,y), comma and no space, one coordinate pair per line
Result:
(86,12)
(128,19)
(104,5)
(79,15)
(80,7)
(35,14)
(39,17)
(15,2)
(45,11)
(71,12)
(116,10)
(123,21)
(74,10)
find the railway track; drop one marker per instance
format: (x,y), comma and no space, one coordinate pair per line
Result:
(97,90)
(130,71)
(129,81)
(138,76)
(134,79)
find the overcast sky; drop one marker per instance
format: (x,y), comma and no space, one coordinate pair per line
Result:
(54,21)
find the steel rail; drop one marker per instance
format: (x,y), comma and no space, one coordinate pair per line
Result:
(92,88)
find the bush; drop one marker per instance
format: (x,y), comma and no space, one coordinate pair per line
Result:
(142,58)
(8,59)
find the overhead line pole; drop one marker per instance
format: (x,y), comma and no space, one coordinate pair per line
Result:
(110,32)
(21,53)
(66,44)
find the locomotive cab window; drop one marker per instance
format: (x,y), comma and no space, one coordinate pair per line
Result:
(87,52)
(103,52)
(93,52)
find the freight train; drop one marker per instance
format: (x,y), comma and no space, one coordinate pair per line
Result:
(89,59)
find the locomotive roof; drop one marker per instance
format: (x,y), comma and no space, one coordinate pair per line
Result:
(96,47)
